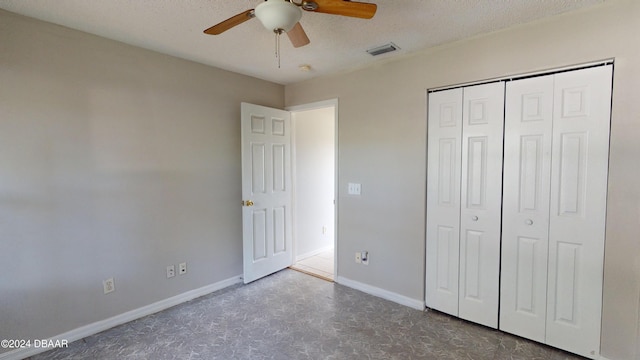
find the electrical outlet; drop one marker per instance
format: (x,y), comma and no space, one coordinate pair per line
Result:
(171,271)
(182,268)
(358,257)
(109,285)
(365,257)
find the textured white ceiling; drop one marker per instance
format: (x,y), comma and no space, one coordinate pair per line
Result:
(338,43)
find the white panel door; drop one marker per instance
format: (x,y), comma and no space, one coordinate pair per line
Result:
(582,103)
(481,200)
(443,200)
(266,191)
(525,212)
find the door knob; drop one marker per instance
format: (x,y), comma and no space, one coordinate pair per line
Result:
(474,218)
(528,222)
(247,203)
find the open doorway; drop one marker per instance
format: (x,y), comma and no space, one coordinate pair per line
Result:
(314,178)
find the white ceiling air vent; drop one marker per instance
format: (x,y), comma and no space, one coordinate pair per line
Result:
(379,50)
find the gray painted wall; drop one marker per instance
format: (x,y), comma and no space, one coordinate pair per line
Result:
(382,144)
(118,161)
(114,162)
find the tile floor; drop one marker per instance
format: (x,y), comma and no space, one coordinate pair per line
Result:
(290,315)
(320,265)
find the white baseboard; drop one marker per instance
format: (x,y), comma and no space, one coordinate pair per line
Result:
(385,294)
(96,327)
(313,253)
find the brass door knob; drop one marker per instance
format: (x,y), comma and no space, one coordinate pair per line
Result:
(247,203)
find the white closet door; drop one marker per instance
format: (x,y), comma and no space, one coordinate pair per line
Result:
(525,212)
(443,200)
(578,206)
(481,199)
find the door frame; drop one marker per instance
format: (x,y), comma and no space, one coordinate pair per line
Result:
(313,106)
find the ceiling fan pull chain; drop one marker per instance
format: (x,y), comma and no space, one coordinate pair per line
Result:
(278,49)
(278,32)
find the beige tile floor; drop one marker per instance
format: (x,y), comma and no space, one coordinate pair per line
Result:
(320,265)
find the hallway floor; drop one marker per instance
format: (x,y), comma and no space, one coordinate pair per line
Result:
(320,265)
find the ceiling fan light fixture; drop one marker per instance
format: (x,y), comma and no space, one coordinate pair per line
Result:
(278,15)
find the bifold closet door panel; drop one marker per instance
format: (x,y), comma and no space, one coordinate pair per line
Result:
(443,200)
(581,122)
(481,200)
(525,208)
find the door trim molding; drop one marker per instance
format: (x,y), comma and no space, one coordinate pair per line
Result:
(520,76)
(313,106)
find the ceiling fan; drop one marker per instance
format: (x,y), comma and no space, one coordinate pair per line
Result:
(282,16)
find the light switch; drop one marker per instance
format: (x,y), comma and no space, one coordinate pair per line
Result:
(353,189)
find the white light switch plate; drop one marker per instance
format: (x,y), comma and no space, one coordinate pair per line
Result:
(353,189)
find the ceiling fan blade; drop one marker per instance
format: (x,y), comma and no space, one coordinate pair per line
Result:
(230,22)
(342,7)
(297,36)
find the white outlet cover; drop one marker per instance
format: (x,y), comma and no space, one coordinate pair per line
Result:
(182,268)
(109,285)
(171,271)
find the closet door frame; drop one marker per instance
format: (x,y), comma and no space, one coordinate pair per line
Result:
(570,323)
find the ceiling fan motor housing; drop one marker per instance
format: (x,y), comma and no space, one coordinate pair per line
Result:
(278,15)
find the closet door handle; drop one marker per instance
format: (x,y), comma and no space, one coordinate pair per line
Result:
(528,222)
(474,218)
